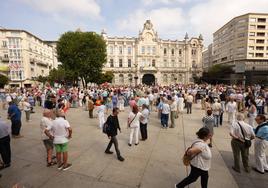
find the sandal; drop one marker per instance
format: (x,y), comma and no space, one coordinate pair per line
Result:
(51,164)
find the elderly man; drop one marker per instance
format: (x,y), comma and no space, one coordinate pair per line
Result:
(261,143)
(216,110)
(60,132)
(46,123)
(5,144)
(240,131)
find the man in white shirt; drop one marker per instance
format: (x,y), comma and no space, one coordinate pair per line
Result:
(165,110)
(46,123)
(231,108)
(61,133)
(189,103)
(173,112)
(238,142)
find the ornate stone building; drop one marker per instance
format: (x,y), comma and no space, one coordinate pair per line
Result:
(151,60)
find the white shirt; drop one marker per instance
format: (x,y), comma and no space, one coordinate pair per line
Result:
(151,97)
(45,124)
(231,107)
(8,98)
(216,107)
(145,114)
(136,122)
(26,106)
(165,108)
(236,130)
(203,159)
(173,106)
(59,130)
(189,98)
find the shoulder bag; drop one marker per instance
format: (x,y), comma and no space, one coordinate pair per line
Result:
(186,159)
(132,120)
(247,143)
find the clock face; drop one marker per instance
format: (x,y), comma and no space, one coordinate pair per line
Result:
(148,37)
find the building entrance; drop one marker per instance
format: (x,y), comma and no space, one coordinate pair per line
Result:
(148,79)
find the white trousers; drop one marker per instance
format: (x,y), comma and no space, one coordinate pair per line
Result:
(231,117)
(121,107)
(260,157)
(101,120)
(134,132)
(251,120)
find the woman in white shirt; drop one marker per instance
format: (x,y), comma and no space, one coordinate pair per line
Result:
(27,108)
(201,159)
(134,124)
(143,122)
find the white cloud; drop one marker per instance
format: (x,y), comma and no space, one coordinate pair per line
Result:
(67,8)
(209,16)
(168,21)
(151,2)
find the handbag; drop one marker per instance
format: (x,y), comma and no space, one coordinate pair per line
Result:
(247,143)
(132,121)
(186,159)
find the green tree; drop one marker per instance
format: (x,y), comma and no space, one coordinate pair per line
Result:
(3,81)
(61,76)
(84,53)
(218,74)
(106,77)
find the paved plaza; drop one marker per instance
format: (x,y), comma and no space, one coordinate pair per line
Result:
(155,163)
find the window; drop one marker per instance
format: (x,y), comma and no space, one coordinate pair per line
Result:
(172,63)
(111,50)
(153,63)
(259,41)
(4,43)
(252,19)
(165,63)
(172,52)
(242,21)
(261,27)
(251,47)
(262,34)
(120,50)
(129,62)
(251,41)
(120,63)
(143,50)
(111,63)
(180,52)
(252,34)
(259,54)
(164,78)
(165,51)
(259,47)
(252,27)
(251,54)
(261,20)
(121,78)
(5,55)
(148,50)
(153,50)
(193,51)
(129,50)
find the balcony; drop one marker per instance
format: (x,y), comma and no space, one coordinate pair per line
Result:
(4,59)
(148,69)
(42,63)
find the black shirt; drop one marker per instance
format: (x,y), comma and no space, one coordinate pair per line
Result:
(113,123)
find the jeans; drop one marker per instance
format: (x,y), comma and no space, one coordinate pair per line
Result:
(5,149)
(217,120)
(114,141)
(15,127)
(143,128)
(193,176)
(164,120)
(189,107)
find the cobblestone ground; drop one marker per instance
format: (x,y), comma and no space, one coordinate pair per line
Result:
(155,163)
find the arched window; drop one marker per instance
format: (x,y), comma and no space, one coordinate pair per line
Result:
(121,79)
(120,62)
(130,78)
(165,51)
(129,63)
(111,63)
(153,63)
(172,52)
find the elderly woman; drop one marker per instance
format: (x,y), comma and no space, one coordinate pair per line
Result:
(240,131)
(201,159)
(208,122)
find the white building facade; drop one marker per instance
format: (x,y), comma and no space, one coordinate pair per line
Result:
(150,60)
(26,56)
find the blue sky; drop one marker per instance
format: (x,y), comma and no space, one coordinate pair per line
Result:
(171,18)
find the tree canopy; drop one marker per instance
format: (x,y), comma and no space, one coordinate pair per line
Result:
(218,74)
(3,81)
(84,54)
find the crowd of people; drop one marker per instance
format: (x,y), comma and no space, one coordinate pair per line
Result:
(169,102)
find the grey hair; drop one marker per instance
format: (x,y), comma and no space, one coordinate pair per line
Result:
(240,116)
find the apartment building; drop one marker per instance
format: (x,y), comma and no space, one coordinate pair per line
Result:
(149,60)
(24,56)
(243,43)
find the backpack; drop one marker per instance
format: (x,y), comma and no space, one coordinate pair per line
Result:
(106,126)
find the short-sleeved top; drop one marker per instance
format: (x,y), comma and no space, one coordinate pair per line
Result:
(13,109)
(136,122)
(203,159)
(247,129)
(165,108)
(145,114)
(59,130)
(45,123)
(4,129)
